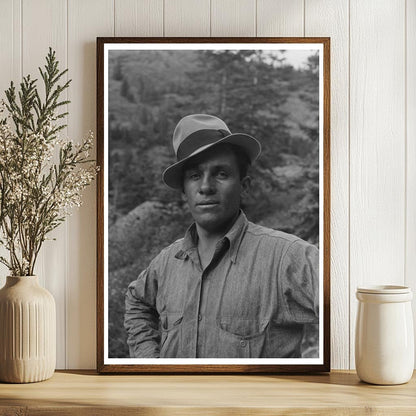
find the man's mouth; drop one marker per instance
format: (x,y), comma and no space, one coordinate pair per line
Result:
(207,203)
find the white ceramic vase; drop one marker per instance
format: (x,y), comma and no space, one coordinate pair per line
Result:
(27,331)
(384,341)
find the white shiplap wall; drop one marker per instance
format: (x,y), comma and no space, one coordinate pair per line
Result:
(373,132)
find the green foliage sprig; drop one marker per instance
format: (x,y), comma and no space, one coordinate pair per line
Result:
(36,193)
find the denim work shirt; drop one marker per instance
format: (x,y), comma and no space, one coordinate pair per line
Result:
(251,301)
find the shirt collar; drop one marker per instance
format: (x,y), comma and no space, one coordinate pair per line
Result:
(234,236)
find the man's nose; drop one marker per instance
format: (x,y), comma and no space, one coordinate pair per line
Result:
(207,184)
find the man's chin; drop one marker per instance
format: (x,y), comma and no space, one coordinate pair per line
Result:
(214,224)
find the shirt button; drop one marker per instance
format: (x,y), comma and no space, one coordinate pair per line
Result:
(243,343)
(199,318)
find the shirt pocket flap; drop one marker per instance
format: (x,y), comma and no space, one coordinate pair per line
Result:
(243,328)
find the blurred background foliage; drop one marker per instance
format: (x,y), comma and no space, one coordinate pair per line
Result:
(253,91)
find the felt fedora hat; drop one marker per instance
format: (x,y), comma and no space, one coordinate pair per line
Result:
(198,132)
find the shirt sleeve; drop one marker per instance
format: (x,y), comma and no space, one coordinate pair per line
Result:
(299,283)
(141,318)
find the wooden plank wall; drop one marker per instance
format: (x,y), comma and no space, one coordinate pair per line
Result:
(410,162)
(373,132)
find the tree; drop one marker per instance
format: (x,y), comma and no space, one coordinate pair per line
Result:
(126,91)
(307,212)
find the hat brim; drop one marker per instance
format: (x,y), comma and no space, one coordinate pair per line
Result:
(172,176)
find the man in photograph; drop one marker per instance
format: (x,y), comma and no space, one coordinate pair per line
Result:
(229,288)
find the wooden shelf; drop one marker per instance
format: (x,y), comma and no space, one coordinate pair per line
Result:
(86,393)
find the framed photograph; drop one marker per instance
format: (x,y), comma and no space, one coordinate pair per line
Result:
(213,205)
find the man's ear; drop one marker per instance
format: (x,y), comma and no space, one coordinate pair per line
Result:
(245,186)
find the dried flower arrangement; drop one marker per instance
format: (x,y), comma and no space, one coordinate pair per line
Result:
(37,193)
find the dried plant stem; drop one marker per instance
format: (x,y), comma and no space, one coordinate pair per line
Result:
(36,195)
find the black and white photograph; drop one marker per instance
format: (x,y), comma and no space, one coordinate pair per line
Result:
(213,250)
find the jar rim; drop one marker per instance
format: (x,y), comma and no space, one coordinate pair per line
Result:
(384,289)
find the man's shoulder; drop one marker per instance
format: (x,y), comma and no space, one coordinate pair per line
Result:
(165,256)
(278,238)
(172,249)
(262,232)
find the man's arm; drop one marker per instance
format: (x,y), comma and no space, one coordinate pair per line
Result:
(141,318)
(299,282)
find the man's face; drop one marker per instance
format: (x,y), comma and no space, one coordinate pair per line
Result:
(212,187)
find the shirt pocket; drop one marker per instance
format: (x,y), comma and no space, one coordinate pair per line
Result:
(241,338)
(283,340)
(171,334)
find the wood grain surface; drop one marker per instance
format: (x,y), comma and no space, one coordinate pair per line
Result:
(85,18)
(339,393)
(187,18)
(10,66)
(377,149)
(233,18)
(329,18)
(410,259)
(280,18)
(51,265)
(138,17)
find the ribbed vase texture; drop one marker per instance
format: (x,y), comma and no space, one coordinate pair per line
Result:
(27,331)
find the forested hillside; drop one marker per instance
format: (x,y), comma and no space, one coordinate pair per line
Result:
(255,92)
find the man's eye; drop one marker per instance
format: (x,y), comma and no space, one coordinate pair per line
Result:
(194,176)
(222,174)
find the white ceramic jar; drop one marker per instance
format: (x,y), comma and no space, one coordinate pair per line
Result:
(384,338)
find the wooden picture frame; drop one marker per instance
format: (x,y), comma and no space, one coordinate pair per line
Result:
(125,102)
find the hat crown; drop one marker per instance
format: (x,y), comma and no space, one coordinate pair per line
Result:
(193,123)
